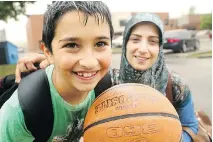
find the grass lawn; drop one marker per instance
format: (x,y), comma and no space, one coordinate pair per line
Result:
(202,55)
(7,69)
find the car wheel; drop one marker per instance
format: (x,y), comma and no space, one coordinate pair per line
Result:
(197,45)
(184,48)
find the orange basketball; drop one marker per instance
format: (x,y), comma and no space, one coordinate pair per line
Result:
(132,113)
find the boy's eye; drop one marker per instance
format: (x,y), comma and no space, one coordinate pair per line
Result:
(71,45)
(136,39)
(101,44)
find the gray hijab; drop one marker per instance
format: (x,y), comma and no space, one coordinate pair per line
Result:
(157,75)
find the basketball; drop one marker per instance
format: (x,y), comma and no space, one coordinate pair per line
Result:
(132,113)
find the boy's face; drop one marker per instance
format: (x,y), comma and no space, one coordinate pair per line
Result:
(81,53)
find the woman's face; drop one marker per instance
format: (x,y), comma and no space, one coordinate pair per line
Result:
(143,46)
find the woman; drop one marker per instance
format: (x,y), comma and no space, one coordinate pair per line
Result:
(143,62)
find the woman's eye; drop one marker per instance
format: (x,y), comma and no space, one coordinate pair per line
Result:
(135,39)
(101,44)
(71,45)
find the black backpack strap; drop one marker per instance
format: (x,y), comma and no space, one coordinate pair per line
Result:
(8,85)
(7,94)
(103,84)
(8,81)
(35,101)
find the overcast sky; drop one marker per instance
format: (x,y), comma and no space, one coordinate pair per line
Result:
(176,8)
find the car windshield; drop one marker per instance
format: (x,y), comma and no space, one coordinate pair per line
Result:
(177,34)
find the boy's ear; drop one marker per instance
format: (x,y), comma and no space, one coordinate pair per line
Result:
(47,53)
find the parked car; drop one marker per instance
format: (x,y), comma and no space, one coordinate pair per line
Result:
(180,40)
(117,42)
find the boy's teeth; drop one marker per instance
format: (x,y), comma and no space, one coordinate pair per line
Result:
(86,74)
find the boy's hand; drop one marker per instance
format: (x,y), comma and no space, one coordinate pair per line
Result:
(26,64)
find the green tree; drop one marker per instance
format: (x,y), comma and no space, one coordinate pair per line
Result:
(11,9)
(206,21)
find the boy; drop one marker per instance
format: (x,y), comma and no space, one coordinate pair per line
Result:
(76,40)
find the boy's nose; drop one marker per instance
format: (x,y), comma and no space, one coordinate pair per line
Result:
(89,62)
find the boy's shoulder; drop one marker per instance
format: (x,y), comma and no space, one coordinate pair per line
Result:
(12,123)
(110,79)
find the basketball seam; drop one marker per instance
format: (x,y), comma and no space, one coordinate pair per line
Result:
(129,116)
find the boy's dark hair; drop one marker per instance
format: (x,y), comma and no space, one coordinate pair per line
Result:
(58,8)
